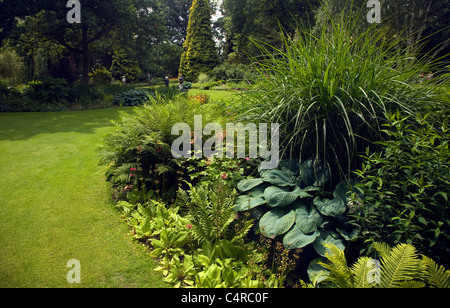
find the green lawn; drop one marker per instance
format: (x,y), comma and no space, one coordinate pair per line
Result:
(55,206)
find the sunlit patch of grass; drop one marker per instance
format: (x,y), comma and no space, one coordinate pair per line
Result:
(56,206)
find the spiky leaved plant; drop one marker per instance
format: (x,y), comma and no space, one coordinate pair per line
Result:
(399,267)
(329,92)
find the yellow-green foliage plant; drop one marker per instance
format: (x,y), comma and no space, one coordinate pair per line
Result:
(398,267)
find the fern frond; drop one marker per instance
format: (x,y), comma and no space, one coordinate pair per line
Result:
(361,270)
(412,284)
(400,265)
(383,249)
(435,275)
(340,273)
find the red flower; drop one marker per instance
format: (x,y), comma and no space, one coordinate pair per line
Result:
(224,176)
(189,226)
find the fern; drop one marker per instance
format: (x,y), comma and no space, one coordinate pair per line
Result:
(211,212)
(401,267)
(435,276)
(361,270)
(340,273)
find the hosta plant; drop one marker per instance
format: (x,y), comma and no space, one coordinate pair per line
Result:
(291,203)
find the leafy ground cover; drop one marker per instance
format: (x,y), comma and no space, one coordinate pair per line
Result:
(56,206)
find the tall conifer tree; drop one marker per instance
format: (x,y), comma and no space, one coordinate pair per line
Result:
(199,48)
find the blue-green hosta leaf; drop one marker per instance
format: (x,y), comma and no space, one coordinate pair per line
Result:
(290,164)
(279,178)
(248,184)
(334,207)
(303,193)
(295,238)
(280,196)
(258,191)
(307,220)
(317,273)
(345,189)
(327,237)
(246,202)
(315,172)
(275,223)
(349,237)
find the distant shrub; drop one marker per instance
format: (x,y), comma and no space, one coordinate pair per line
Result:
(232,72)
(203,78)
(100,75)
(131,98)
(48,90)
(138,97)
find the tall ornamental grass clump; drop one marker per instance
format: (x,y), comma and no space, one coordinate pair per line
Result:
(330,92)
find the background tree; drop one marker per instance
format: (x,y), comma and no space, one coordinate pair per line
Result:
(99,19)
(247,20)
(200,53)
(422,22)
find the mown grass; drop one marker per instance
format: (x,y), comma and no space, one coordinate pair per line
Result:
(55,206)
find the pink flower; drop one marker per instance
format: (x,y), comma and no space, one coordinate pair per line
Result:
(133,169)
(189,226)
(247,159)
(224,176)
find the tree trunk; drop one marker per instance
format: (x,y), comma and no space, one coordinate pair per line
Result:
(85,56)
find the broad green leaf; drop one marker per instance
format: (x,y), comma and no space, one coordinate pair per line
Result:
(275,223)
(307,220)
(345,189)
(258,191)
(315,172)
(316,272)
(290,164)
(203,260)
(144,229)
(349,237)
(181,238)
(246,202)
(279,178)
(279,196)
(327,237)
(295,238)
(334,207)
(248,184)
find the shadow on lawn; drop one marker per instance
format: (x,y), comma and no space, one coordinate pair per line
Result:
(22,126)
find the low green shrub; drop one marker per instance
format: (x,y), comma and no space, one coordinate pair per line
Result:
(138,151)
(56,95)
(49,90)
(136,97)
(290,203)
(406,188)
(131,98)
(100,75)
(203,78)
(231,72)
(228,261)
